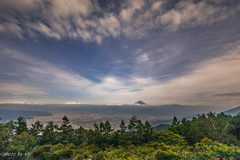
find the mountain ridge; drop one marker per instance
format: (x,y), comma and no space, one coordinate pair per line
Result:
(233,111)
(140,102)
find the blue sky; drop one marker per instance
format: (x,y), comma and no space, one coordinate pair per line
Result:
(118,52)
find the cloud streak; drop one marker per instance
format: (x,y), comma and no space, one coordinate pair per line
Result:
(42,79)
(234,93)
(162,52)
(199,85)
(19,90)
(189,14)
(196,87)
(87,21)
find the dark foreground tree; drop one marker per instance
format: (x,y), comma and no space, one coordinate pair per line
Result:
(49,134)
(21,126)
(65,131)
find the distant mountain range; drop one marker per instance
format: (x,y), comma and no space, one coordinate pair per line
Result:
(233,111)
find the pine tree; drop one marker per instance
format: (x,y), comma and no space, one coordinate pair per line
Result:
(66,131)
(36,129)
(132,124)
(124,138)
(49,135)
(107,129)
(123,127)
(147,132)
(175,121)
(80,136)
(95,136)
(107,133)
(21,125)
(135,128)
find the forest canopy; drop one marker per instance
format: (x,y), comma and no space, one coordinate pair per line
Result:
(206,136)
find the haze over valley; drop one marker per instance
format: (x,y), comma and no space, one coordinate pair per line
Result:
(85,115)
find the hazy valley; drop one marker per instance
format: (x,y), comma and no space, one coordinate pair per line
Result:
(86,115)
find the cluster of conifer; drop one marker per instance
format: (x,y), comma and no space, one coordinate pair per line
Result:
(207,136)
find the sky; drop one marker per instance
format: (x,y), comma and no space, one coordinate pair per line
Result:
(119,52)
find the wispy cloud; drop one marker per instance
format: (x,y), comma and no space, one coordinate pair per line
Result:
(11,29)
(46,79)
(199,85)
(130,8)
(86,20)
(19,89)
(143,58)
(196,87)
(42,76)
(158,51)
(189,14)
(233,93)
